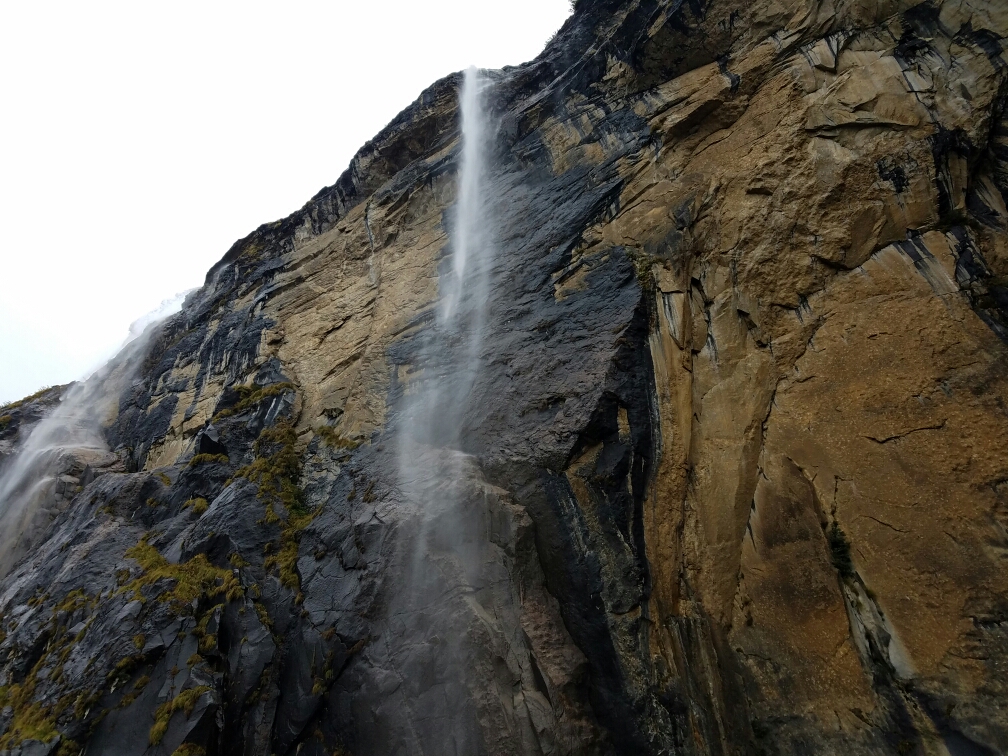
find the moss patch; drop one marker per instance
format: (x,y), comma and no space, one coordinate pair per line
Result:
(251,396)
(330,437)
(33,719)
(185,701)
(276,470)
(642,264)
(199,505)
(194,579)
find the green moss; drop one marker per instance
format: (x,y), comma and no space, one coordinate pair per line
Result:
(642,264)
(207,641)
(5,420)
(74,600)
(84,703)
(252,252)
(264,617)
(185,701)
(206,459)
(276,470)
(194,579)
(330,437)
(164,478)
(139,640)
(122,670)
(189,749)
(251,396)
(31,719)
(199,505)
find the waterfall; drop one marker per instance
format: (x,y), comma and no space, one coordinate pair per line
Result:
(64,449)
(448,360)
(469,244)
(438,479)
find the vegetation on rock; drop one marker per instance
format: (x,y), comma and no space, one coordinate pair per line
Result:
(250,396)
(191,580)
(276,471)
(185,702)
(199,505)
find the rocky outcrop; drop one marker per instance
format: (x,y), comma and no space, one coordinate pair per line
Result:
(731,478)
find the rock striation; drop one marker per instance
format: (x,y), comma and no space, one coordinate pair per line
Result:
(732,478)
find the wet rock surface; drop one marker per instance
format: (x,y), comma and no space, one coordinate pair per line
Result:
(730,479)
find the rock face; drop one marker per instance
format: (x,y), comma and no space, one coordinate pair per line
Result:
(732,477)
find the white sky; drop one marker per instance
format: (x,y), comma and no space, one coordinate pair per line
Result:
(138,140)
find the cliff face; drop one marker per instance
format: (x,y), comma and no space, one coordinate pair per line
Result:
(732,478)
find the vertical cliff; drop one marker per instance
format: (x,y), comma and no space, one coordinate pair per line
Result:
(732,476)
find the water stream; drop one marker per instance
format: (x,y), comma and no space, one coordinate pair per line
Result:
(445,552)
(67,447)
(448,355)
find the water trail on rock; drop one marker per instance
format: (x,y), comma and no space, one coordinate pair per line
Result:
(63,450)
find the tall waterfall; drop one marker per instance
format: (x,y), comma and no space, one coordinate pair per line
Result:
(471,251)
(438,477)
(448,359)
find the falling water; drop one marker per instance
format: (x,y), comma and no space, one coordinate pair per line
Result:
(469,243)
(67,446)
(444,549)
(448,359)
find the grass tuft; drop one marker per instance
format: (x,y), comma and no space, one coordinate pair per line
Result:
(199,505)
(251,396)
(185,701)
(330,437)
(194,579)
(276,470)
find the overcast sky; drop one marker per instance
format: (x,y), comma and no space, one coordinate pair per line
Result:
(139,140)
